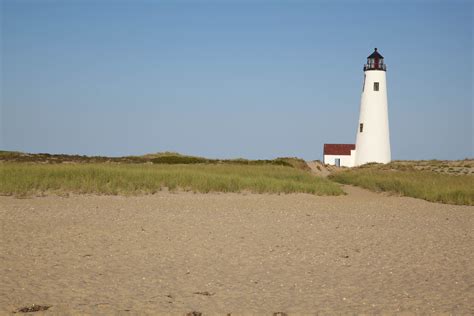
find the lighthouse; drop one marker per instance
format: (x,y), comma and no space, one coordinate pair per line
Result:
(373,139)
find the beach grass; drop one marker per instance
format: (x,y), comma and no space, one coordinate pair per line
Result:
(27,179)
(427,185)
(167,158)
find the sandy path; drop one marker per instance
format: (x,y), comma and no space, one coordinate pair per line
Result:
(318,168)
(235,253)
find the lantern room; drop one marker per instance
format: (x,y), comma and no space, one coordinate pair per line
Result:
(375,62)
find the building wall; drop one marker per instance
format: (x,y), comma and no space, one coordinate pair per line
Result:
(373,143)
(346,160)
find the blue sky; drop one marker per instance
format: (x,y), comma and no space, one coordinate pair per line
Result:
(223,79)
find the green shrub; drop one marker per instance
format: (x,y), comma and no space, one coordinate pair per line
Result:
(173,160)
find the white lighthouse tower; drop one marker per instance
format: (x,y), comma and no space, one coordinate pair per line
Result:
(373,139)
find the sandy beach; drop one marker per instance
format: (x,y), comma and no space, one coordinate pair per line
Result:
(236,253)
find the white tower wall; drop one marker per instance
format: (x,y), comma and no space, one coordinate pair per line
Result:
(373,142)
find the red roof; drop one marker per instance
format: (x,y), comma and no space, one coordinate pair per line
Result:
(338,149)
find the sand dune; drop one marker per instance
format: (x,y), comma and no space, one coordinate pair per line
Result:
(236,253)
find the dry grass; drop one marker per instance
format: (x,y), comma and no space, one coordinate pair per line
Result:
(454,167)
(22,179)
(170,158)
(408,180)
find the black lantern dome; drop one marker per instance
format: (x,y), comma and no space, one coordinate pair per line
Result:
(375,62)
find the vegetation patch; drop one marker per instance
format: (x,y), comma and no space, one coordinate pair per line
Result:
(178,159)
(465,166)
(169,158)
(408,181)
(33,308)
(26,179)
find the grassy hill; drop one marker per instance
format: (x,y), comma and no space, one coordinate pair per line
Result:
(30,174)
(23,174)
(437,181)
(171,158)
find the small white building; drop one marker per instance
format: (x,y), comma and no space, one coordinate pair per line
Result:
(340,155)
(373,137)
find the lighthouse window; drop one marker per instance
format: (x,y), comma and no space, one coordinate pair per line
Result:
(376,86)
(361,127)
